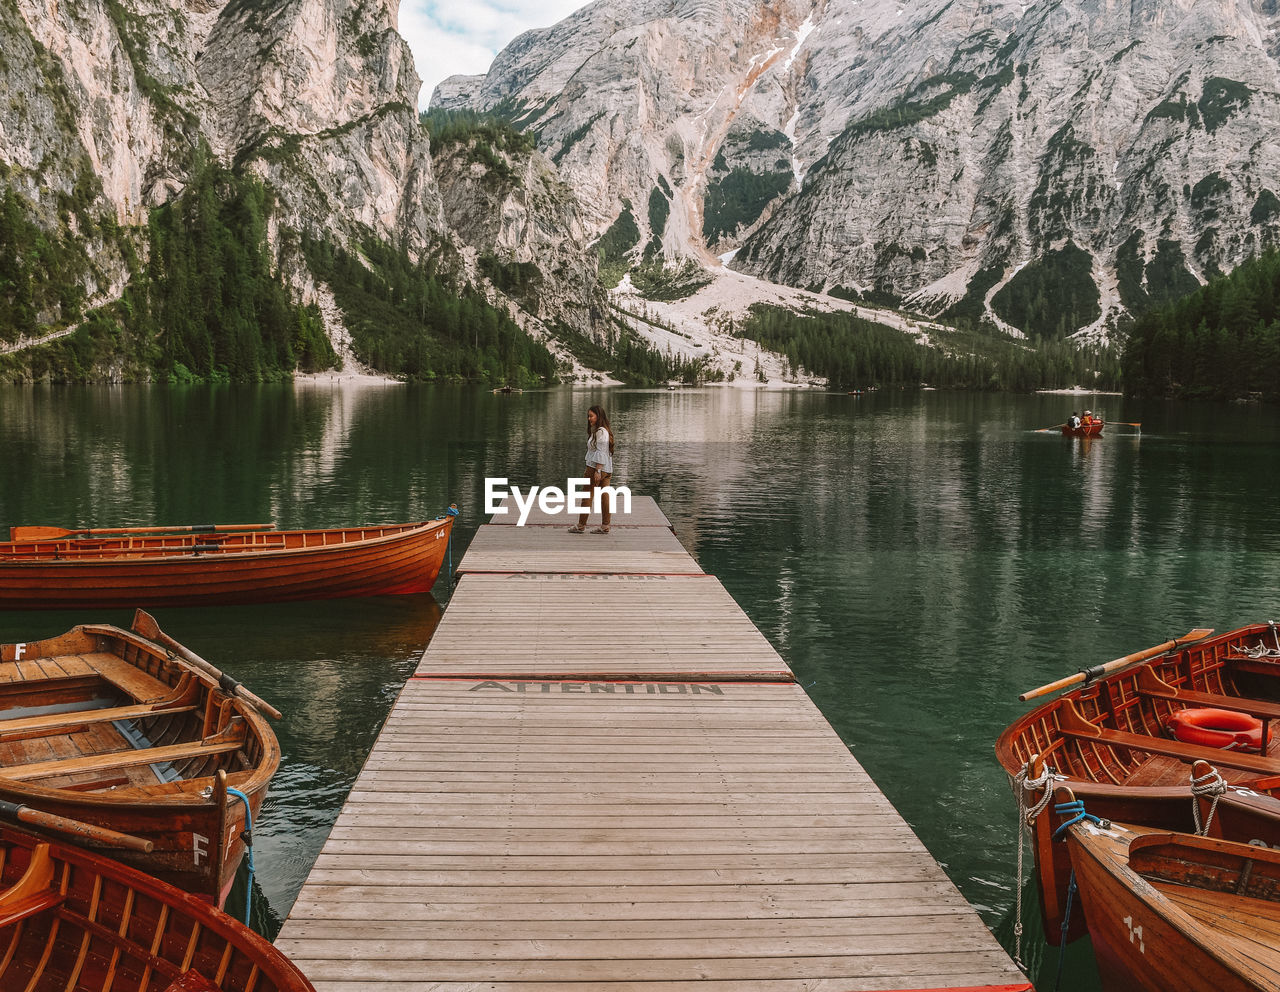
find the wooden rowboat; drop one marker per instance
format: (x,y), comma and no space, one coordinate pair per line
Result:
(73,921)
(1084,430)
(1107,740)
(211,567)
(104,726)
(1173,912)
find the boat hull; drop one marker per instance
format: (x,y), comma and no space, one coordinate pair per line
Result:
(1145,941)
(72,920)
(259,567)
(105,700)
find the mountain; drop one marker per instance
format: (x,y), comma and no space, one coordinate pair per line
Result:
(111,100)
(1048,167)
(134,137)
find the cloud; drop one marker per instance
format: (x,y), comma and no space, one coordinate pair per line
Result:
(463,36)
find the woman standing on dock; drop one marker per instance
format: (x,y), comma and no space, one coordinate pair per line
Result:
(599,467)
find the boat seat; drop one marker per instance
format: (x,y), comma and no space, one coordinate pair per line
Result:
(1072,724)
(181,700)
(1148,683)
(124,759)
(124,676)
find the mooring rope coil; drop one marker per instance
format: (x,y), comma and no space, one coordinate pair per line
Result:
(1211,783)
(1075,809)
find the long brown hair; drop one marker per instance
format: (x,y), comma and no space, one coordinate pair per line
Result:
(602,420)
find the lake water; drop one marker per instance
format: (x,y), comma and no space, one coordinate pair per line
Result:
(918,559)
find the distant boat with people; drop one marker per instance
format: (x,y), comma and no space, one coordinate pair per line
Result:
(1086,426)
(1084,430)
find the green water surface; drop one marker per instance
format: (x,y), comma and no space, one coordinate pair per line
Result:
(918,559)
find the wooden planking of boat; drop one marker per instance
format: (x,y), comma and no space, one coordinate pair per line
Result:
(107,727)
(74,921)
(1109,740)
(1175,912)
(53,568)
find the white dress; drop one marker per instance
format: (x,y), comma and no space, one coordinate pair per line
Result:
(598,452)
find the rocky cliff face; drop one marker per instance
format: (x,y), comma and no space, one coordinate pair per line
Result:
(652,103)
(111,103)
(522,229)
(316,96)
(1046,166)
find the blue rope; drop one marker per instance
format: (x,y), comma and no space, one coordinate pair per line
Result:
(1066,923)
(248,843)
(1075,809)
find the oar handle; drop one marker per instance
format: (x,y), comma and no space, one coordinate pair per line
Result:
(144,623)
(76,828)
(1089,674)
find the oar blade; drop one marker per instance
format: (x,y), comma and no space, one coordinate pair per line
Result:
(36,533)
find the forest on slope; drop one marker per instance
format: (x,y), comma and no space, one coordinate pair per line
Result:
(1220,342)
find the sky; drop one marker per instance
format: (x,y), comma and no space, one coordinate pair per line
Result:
(463,36)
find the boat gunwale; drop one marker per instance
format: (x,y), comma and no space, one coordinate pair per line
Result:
(184,553)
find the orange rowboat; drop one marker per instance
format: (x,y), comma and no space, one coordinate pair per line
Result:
(1084,430)
(72,921)
(214,567)
(102,726)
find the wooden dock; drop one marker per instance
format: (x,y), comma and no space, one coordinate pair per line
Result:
(602,777)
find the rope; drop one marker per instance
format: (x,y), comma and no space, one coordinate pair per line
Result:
(1027,814)
(1066,925)
(1211,783)
(1075,809)
(248,843)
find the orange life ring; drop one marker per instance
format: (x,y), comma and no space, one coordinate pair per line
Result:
(1216,728)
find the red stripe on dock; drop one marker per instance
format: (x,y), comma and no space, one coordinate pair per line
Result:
(700,680)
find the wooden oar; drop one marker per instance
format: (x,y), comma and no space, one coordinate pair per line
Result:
(1055,427)
(40,533)
(1089,674)
(145,624)
(77,828)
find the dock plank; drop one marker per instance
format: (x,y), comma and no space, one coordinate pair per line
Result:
(666,813)
(553,549)
(532,626)
(644,512)
(558,892)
